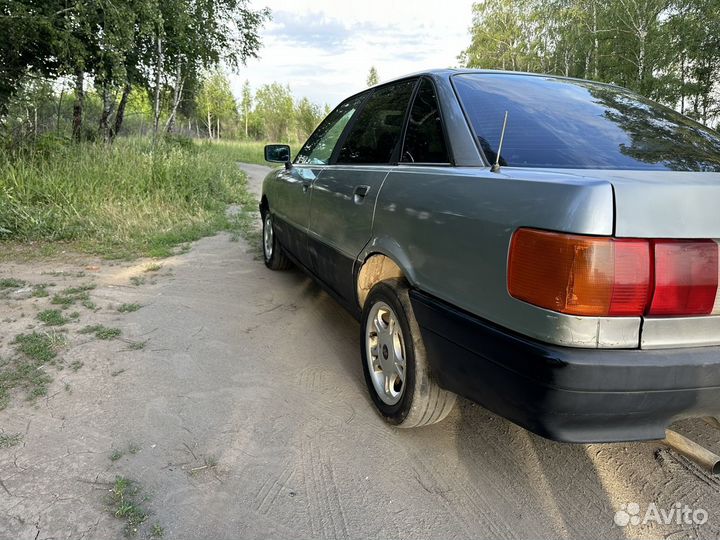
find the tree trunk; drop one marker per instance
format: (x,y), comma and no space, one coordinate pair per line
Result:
(59,108)
(209,124)
(108,106)
(641,57)
(246,120)
(120,114)
(596,44)
(217,131)
(682,84)
(158,78)
(78,106)
(177,95)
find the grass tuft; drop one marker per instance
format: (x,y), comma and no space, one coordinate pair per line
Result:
(129,308)
(26,371)
(11,283)
(101,331)
(40,291)
(79,290)
(40,348)
(125,504)
(7,441)
(52,317)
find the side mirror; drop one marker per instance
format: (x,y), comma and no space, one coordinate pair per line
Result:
(278,153)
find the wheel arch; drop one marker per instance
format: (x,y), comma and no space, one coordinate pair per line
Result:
(382,259)
(264,205)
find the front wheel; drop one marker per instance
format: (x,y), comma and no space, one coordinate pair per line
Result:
(395,362)
(273,254)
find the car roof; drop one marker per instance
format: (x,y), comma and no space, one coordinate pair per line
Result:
(446,73)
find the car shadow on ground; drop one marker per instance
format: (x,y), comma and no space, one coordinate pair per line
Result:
(549,488)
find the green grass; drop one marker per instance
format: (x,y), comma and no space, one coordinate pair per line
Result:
(26,370)
(40,290)
(101,332)
(54,317)
(79,290)
(41,348)
(125,504)
(69,296)
(122,200)
(243,151)
(154,267)
(10,283)
(7,441)
(137,280)
(129,308)
(136,345)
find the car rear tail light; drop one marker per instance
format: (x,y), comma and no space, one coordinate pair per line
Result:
(579,275)
(686,277)
(613,277)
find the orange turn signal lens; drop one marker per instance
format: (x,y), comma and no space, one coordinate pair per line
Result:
(580,275)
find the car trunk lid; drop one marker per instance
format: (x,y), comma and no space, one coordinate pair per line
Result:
(660,204)
(670,205)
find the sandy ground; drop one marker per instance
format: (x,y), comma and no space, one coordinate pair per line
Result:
(245,415)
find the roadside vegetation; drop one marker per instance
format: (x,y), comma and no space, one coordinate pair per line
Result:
(25,372)
(116,127)
(119,201)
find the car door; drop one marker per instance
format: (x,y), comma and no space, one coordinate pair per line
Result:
(293,193)
(344,195)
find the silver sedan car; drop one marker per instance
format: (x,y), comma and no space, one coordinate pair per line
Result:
(546,247)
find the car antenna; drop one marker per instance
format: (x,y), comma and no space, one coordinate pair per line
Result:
(496,165)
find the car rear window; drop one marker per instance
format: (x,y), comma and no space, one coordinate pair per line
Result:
(563,123)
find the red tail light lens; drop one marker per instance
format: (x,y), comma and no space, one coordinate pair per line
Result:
(602,276)
(632,285)
(686,277)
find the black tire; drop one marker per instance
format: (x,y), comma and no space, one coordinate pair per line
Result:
(273,254)
(421,400)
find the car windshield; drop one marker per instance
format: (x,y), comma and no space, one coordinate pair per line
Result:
(555,122)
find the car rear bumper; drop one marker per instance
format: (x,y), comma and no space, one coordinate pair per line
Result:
(562,393)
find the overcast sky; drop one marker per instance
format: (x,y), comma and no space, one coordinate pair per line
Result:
(324,49)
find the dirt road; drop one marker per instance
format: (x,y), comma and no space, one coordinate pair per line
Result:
(245,415)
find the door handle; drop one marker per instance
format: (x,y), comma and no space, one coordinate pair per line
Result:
(306,186)
(359,193)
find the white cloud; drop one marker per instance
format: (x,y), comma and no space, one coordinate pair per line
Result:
(323,49)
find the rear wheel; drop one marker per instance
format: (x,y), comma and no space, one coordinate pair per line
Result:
(273,255)
(394,360)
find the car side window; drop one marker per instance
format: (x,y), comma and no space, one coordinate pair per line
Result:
(424,139)
(319,147)
(376,133)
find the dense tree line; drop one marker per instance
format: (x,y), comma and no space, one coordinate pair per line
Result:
(43,106)
(271,113)
(112,48)
(668,50)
